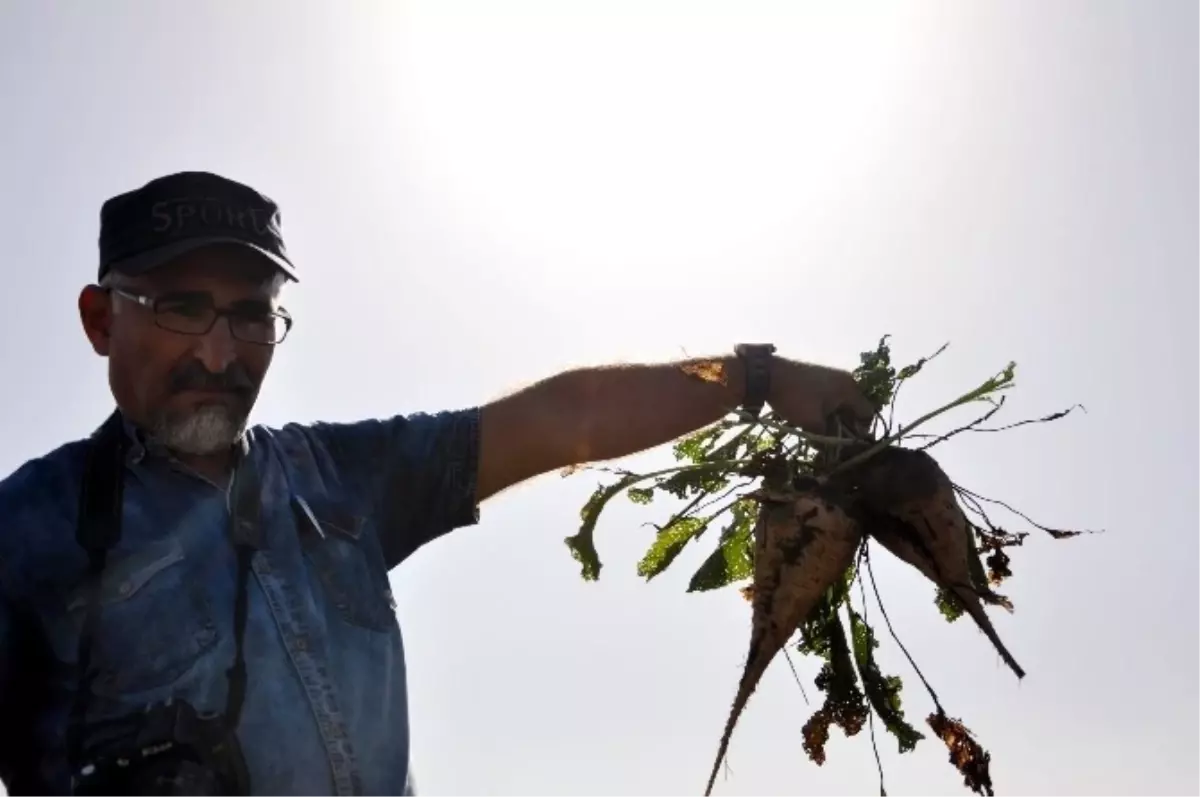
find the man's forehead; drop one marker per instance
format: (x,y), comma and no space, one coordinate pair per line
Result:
(216,267)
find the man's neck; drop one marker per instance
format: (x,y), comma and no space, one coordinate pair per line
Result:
(216,468)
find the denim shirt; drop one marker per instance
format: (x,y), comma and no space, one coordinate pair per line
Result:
(326,708)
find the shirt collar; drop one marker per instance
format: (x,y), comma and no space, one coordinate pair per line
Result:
(138,445)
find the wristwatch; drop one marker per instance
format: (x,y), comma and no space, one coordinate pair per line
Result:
(756,361)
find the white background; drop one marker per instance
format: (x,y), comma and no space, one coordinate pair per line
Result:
(479,195)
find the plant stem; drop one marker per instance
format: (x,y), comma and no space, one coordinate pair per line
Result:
(990,386)
(783,427)
(875,588)
(724,464)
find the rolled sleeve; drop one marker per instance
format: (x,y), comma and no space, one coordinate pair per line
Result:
(419,472)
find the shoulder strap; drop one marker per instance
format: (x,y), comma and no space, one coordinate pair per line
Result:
(98,525)
(246,534)
(97,529)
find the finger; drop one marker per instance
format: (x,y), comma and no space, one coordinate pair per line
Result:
(857,413)
(845,420)
(863,408)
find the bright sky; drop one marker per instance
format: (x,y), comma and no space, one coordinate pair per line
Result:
(481,194)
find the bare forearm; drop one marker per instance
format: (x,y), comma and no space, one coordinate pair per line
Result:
(595,414)
(621,410)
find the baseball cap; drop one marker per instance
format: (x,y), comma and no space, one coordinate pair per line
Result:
(169,216)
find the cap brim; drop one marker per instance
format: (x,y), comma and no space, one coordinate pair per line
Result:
(148,261)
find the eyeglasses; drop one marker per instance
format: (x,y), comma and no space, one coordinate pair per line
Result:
(195,314)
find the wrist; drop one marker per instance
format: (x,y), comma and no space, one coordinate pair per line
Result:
(758,363)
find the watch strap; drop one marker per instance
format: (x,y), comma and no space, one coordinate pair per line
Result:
(756,362)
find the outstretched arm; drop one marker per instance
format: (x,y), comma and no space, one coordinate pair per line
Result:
(594,414)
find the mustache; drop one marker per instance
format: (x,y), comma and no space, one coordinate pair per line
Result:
(194,376)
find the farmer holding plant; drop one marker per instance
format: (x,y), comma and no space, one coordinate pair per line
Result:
(192,605)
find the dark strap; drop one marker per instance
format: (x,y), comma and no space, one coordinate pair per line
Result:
(756,360)
(98,530)
(246,534)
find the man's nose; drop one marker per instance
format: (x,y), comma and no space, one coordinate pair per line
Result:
(217,349)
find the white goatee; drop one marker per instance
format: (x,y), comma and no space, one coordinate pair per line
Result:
(208,430)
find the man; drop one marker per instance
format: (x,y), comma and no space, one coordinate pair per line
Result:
(285,624)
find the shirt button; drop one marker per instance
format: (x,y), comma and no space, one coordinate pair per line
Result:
(125,589)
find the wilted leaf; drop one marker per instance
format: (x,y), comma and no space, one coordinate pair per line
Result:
(965,753)
(998,568)
(882,691)
(998,561)
(1054,416)
(667,545)
(707,370)
(816,734)
(996,599)
(734,558)
(845,704)
(984,581)
(1060,534)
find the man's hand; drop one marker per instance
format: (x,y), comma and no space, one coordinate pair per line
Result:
(813,397)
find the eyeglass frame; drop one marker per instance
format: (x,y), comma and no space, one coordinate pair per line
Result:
(151,303)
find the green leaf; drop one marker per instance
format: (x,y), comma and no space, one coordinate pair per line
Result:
(690,483)
(1001,381)
(734,558)
(882,691)
(670,541)
(582,545)
(696,446)
(875,375)
(641,495)
(817,630)
(948,604)
(909,371)
(765,442)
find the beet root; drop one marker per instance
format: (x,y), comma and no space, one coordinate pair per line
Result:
(909,505)
(803,544)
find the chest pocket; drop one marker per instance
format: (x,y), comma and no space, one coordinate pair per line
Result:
(153,624)
(342,555)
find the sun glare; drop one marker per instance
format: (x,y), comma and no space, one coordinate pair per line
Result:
(646,131)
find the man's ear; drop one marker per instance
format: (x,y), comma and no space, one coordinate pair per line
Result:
(95,312)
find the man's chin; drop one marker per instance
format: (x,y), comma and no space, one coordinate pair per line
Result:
(210,429)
